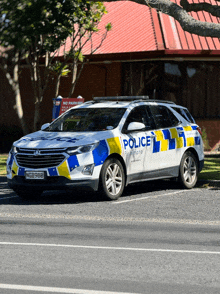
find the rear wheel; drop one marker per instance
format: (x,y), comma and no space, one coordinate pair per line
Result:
(28,194)
(112,179)
(188,170)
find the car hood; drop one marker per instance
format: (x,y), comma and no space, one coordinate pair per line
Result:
(44,139)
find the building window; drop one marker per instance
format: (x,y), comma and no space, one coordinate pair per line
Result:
(193,84)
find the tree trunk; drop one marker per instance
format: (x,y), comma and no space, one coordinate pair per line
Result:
(37,123)
(14,82)
(75,76)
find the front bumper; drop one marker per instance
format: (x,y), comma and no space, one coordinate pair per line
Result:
(52,183)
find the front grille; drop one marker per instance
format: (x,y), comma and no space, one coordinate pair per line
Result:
(40,158)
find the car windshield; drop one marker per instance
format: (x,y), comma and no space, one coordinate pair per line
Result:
(87,120)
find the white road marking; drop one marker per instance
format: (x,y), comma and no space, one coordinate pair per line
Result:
(110,248)
(150,197)
(56,290)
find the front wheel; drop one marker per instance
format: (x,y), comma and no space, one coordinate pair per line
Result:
(112,179)
(188,170)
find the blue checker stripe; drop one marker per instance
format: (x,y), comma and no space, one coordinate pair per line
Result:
(21,171)
(166,134)
(197,141)
(52,171)
(156,146)
(11,160)
(172,144)
(182,135)
(194,128)
(73,162)
(100,153)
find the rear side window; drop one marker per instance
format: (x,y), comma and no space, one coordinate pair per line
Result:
(185,114)
(163,116)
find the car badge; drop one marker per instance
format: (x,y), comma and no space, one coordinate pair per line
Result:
(36,152)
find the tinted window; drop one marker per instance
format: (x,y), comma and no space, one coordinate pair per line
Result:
(185,114)
(140,114)
(163,116)
(88,120)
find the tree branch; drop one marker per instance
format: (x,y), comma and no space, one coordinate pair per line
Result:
(212,9)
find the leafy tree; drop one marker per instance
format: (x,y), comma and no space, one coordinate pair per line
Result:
(34,31)
(72,56)
(180,12)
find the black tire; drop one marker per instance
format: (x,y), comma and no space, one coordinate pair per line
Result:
(188,170)
(28,194)
(112,179)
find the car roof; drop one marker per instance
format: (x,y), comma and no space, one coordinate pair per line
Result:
(123,101)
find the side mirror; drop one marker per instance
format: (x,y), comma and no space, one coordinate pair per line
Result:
(135,126)
(44,126)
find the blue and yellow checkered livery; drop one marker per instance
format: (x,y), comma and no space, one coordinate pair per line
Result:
(174,138)
(99,155)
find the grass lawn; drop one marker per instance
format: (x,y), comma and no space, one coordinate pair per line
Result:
(3,159)
(211,170)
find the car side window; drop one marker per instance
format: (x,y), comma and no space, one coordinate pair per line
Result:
(163,116)
(139,114)
(185,114)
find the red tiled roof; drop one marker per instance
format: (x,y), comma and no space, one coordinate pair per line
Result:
(132,29)
(177,39)
(138,28)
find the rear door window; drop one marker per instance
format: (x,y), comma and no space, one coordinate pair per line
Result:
(163,116)
(185,114)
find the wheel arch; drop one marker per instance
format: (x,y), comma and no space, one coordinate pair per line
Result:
(120,158)
(188,176)
(193,151)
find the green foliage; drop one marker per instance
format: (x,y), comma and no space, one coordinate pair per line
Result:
(205,139)
(43,25)
(35,30)
(3,159)
(108,26)
(58,67)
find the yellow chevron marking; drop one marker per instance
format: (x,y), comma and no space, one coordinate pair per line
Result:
(64,170)
(114,145)
(188,128)
(190,141)
(164,143)
(14,169)
(179,140)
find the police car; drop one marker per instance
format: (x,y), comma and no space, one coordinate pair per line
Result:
(106,144)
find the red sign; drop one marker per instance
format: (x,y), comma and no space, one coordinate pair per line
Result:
(67,103)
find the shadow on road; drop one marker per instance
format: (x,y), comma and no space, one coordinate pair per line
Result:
(7,196)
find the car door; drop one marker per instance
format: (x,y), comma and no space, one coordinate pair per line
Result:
(168,143)
(138,144)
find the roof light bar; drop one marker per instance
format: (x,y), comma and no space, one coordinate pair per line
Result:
(129,98)
(120,98)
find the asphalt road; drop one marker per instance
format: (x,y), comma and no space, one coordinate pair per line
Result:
(157,238)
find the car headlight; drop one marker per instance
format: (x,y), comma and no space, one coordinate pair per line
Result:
(82,149)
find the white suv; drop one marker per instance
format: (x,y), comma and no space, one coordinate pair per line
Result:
(106,144)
